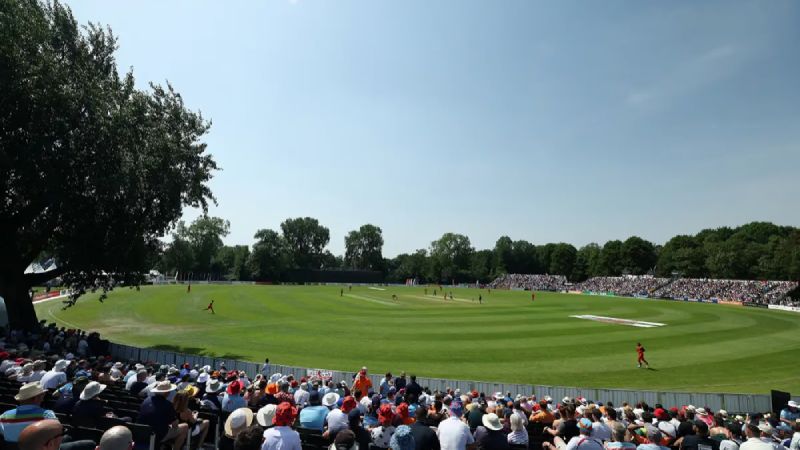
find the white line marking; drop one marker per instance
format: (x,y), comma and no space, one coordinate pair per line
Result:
(616,321)
(455,299)
(376,289)
(370,299)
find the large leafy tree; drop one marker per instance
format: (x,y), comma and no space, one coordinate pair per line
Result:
(92,169)
(562,259)
(205,237)
(638,255)
(270,256)
(451,257)
(364,248)
(306,240)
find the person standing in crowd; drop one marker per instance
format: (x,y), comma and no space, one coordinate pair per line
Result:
(454,434)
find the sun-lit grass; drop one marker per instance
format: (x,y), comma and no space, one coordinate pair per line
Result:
(703,347)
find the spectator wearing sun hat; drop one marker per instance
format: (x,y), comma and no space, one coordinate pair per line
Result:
(489,435)
(282,436)
(791,413)
(55,377)
(233,398)
(13,421)
(89,409)
(237,423)
(382,434)
(265,415)
(158,412)
(452,432)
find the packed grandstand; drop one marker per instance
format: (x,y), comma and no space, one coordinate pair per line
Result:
(703,289)
(59,386)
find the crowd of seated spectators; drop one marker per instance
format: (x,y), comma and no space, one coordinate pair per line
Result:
(628,285)
(67,397)
(530,282)
(766,292)
(733,290)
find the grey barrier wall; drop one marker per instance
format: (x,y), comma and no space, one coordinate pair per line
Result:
(733,403)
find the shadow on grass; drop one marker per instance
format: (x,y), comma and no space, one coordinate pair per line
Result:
(199,351)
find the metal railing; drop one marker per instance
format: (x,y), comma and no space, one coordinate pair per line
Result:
(733,403)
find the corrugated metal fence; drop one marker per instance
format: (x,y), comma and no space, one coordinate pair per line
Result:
(733,403)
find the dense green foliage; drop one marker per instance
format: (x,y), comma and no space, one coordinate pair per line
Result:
(507,338)
(756,250)
(92,170)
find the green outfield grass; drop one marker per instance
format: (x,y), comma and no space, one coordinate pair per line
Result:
(703,347)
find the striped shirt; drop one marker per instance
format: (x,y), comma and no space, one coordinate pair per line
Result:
(13,421)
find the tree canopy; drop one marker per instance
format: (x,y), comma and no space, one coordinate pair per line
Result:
(364,248)
(92,170)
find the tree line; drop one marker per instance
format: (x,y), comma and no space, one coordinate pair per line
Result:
(757,250)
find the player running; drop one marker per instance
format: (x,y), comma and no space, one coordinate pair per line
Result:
(210,307)
(640,356)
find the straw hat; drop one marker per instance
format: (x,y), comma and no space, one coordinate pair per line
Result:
(29,390)
(238,421)
(92,390)
(163,387)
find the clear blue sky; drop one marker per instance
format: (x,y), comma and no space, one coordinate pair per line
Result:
(559,121)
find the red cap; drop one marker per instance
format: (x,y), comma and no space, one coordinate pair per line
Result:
(662,414)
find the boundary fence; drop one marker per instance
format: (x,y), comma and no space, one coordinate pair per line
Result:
(733,403)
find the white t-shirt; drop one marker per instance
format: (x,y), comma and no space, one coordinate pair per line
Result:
(301,397)
(281,438)
(584,443)
(454,434)
(757,444)
(727,444)
(53,379)
(337,420)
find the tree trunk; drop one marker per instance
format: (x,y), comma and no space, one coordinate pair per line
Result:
(14,289)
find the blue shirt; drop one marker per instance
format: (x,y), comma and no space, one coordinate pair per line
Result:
(13,421)
(313,417)
(231,403)
(789,415)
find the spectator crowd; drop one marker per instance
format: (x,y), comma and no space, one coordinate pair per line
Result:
(755,291)
(529,282)
(68,396)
